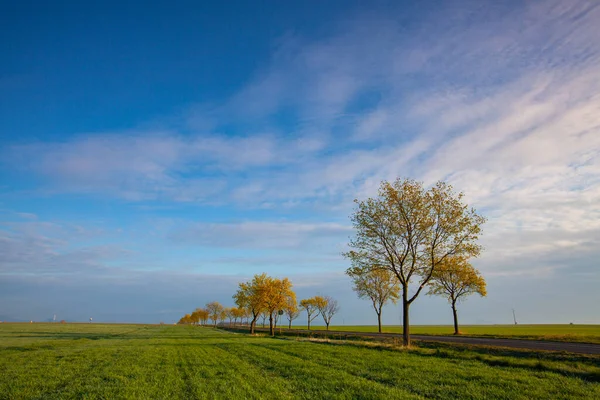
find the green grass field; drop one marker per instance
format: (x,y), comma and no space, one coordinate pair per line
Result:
(55,361)
(563,333)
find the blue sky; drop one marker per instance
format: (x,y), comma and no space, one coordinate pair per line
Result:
(153,157)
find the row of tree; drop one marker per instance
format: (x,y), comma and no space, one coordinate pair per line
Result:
(407,238)
(216,313)
(454,279)
(267,297)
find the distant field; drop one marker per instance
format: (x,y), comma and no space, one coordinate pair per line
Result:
(563,333)
(54,361)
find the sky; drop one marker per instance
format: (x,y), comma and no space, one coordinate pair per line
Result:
(151,158)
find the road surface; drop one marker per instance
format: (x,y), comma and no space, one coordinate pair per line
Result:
(571,347)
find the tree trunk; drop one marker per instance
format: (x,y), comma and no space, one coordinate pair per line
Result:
(290,326)
(455,315)
(379,320)
(327,323)
(271,328)
(309,322)
(405,319)
(252,325)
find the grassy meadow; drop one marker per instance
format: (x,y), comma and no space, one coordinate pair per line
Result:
(62,361)
(563,333)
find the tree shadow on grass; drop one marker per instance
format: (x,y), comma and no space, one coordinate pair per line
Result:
(584,367)
(593,360)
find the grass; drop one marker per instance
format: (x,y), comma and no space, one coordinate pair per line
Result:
(561,333)
(54,361)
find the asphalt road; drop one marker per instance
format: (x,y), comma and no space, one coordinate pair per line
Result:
(571,347)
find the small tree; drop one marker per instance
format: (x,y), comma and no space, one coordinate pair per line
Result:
(310,306)
(215,312)
(263,318)
(378,285)
(195,317)
(230,312)
(328,307)
(237,313)
(247,314)
(291,311)
(223,315)
(454,279)
(200,315)
(204,316)
(186,319)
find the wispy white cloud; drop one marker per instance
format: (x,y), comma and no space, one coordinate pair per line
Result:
(146,165)
(50,249)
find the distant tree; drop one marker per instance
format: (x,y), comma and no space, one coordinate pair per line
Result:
(263,318)
(215,312)
(203,315)
(310,306)
(230,313)
(378,285)
(251,296)
(186,319)
(240,314)
(247,315)
(410,231)
(454,279)
(195,316)
(235,314)
(223,315)
(328,307)
(291,310)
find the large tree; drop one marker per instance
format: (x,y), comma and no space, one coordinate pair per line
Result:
(310,306)
(328,307)
(279,291)
(252,296)
(455,278)
(409,231)
(378,285)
